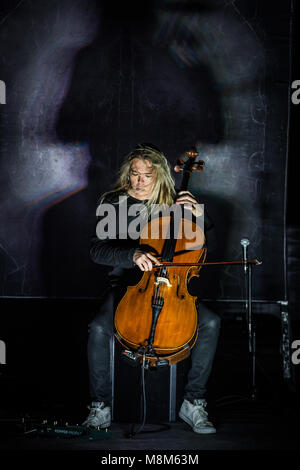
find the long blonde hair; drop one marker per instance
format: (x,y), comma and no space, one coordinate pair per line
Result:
(164,185)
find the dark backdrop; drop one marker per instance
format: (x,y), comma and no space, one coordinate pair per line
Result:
(87,80)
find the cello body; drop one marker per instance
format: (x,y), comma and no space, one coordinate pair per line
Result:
(158,318)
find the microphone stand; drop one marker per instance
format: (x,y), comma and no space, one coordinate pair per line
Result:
(250,323)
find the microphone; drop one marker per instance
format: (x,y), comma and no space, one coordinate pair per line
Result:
(245,243)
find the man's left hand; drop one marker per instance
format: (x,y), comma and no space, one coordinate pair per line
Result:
(189,202)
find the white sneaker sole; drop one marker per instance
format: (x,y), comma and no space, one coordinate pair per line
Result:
(101,426)
(207,430)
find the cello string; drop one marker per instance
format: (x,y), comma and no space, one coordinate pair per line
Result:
(167,254)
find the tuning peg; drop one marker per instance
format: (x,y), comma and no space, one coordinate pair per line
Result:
(177,168)
(198,166)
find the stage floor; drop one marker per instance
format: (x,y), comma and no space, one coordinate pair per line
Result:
(241,425)
(46,378)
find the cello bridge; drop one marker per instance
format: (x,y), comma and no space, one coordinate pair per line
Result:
(162,280)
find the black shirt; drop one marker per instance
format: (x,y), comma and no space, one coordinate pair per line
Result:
(117,242)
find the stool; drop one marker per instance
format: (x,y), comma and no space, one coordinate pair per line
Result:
(114,357)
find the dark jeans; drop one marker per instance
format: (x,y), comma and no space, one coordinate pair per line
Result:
(101,330)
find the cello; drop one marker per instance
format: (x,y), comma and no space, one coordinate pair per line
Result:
(157,318)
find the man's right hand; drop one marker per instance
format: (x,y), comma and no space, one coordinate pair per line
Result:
(144,260)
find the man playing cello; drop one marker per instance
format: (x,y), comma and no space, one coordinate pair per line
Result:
(145,177)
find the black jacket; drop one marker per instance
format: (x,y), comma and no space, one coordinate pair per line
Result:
(117,249)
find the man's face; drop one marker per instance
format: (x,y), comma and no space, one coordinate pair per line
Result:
(142,178)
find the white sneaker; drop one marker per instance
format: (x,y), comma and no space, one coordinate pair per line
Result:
(99,416)
(195,415)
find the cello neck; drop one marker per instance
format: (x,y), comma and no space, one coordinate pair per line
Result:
(188,166)
(185,180)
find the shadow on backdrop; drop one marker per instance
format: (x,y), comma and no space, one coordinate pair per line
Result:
(125,88)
